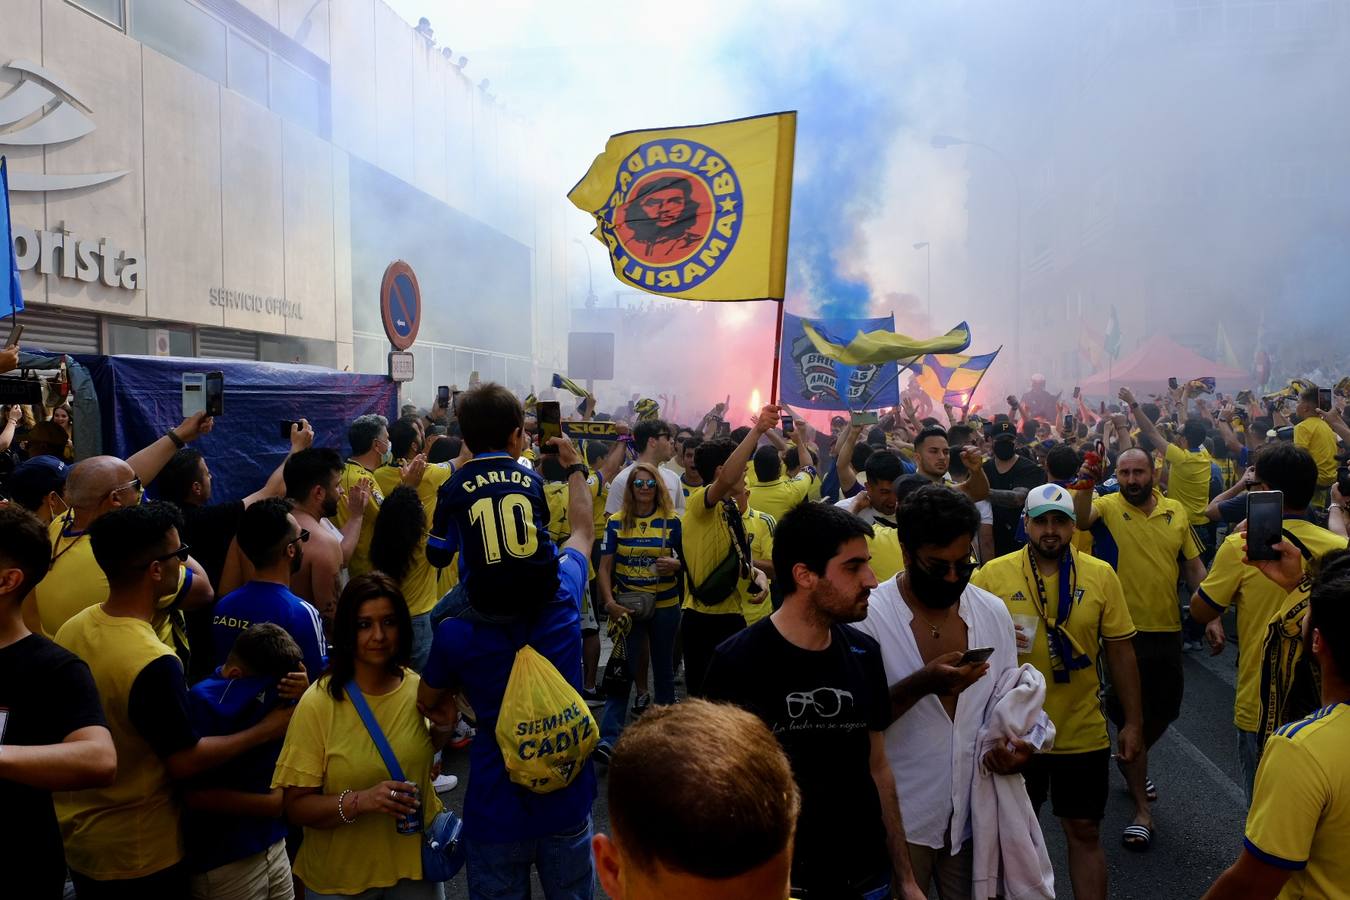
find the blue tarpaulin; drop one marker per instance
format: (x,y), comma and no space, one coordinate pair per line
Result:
(141,397)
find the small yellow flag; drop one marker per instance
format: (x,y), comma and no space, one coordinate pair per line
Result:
(698,212)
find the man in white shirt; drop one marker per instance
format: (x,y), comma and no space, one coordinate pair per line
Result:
(926,619)
(652,439)
(882,471)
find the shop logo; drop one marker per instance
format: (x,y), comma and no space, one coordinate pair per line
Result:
(42,111)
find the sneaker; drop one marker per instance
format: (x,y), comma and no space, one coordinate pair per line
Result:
(445,783)
(1192,646)
(463,736)
(640,705)
(602,754)
(592,697)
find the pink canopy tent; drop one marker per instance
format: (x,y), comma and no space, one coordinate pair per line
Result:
(1146,370)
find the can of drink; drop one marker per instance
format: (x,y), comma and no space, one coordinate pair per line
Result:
(412,822)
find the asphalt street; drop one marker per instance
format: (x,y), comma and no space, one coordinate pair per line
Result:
(1198,817)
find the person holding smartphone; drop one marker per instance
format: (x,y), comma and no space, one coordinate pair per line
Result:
(945,645)
(1314,435)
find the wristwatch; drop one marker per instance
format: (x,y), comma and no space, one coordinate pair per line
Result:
(177,441)
(575,468)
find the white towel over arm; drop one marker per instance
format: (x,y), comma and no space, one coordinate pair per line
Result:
(1009,850)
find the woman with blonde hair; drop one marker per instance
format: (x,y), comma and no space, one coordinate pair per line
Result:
(640,585)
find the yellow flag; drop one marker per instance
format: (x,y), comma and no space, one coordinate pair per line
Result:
(877,347)
(698,212)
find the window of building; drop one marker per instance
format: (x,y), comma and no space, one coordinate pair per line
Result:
(131,339)
(183,32)
(297,96)
(248,68)
(109,10)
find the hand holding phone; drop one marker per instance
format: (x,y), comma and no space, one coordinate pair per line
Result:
(1265,524)
(1324,399)
(975,655)
(548,413)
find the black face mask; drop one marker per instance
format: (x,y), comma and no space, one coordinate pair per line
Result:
(1004,450)
(936,592)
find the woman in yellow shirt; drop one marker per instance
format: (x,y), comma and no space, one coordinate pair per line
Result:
(336,785)
(640,556)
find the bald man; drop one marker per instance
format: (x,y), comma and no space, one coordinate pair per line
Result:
(94,487)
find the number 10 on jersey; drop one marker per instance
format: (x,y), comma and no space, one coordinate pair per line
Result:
(505,522)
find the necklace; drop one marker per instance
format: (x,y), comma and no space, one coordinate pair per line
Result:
(935,630)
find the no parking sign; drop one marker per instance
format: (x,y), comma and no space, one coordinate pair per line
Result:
(400,304)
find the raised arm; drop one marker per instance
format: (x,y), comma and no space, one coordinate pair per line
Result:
(302,436)
(733,470)
(148,462)
(1146,427)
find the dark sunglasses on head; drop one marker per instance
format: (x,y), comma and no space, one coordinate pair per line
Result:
(644,482)
(302,537)
(182,553)
(939,568)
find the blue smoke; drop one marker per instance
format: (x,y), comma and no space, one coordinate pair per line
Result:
(844,126)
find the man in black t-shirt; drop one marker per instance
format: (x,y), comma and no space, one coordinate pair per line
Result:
(1011,475)
(821,688)
(52,732)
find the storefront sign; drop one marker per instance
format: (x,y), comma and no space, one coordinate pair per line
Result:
(255,303)
(65,255)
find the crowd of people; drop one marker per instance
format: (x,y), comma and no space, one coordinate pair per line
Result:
(852,663)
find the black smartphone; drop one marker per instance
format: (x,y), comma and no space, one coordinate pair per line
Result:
(443,397)
(1076,392)
(1172,383)
(1068,423)
(724,428)
(1265,523)
(975,656)
(215,393)
(14,334)
(286,429)
(548,413)
(1324,399)
(787,423)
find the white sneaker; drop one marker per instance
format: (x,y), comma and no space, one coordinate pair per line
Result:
(445,783)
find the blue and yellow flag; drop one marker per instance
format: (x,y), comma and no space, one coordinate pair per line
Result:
(952,378)
(877,347)
(567,384)
(11,292)
(697,212)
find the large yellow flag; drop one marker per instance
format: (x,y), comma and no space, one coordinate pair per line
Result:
(698,212)
(877,347)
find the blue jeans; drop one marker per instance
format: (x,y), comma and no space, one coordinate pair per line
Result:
(660,631)
(562,861)
(1249,758)
(455,601)
(421,642)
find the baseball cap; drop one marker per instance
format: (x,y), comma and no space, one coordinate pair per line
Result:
(1049,498)
(34,479)
(1003,428)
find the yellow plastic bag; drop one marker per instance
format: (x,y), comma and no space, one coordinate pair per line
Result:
(544,730)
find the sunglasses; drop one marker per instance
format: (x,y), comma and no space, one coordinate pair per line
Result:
(939,568)
(182,553)
(644,482)
(301,538)
(132,485)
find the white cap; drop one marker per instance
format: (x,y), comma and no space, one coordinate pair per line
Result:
(1050,498)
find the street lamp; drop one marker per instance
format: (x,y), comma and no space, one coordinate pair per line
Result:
(924,245)
(943,142)
(591,299)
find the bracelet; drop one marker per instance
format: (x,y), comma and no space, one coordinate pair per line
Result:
(342,815)
(177,441)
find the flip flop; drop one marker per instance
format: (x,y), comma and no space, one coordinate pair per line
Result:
(1150,791)
(1137,838)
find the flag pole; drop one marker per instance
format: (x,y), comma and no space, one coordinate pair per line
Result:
(777,353)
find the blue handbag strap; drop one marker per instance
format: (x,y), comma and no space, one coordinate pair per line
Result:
(376,733)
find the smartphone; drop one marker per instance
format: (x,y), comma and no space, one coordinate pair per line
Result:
(215,393)
(14,334)
(1324,399)
(863,418)
(285,430)
(548,413)
(787,423)
(443,397)
(194,393)
(1172,383)
(724,429)
(1076,392)
(975,656)
(4,720)
(1265,523)
(1068,423)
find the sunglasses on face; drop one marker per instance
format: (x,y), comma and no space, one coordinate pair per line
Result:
(301,538)
(939,568)
(132,485)
(644,482)
(182,553)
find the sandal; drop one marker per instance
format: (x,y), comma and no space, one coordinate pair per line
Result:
(1137,837)
(1150,791)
